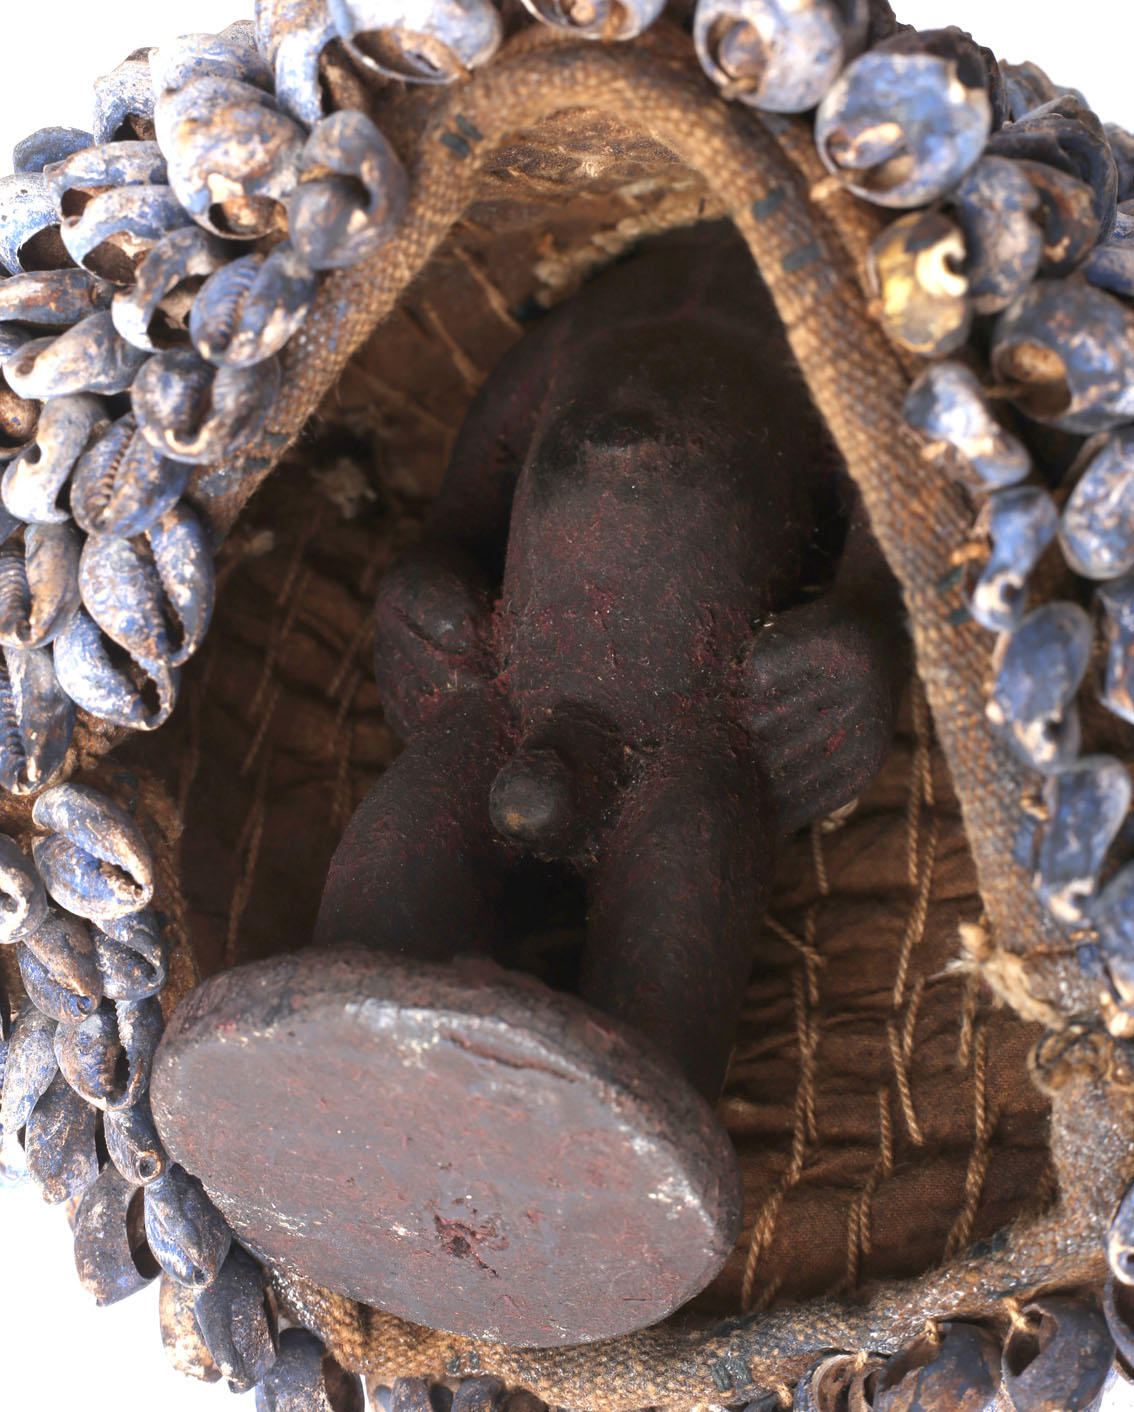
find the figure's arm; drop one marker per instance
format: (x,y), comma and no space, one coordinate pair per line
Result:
(434,605)
(822,680)
(474,505)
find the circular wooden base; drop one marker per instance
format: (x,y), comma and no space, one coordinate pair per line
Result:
(458,1145)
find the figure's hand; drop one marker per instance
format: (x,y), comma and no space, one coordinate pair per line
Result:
(432,622)
(821,682)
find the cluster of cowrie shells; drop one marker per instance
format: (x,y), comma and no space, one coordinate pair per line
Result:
(1032,236)
(1058,1354)
(150,280)
(157,266)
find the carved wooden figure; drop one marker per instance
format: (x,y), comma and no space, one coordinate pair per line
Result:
(646,630)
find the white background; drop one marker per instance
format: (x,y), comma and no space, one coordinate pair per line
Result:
(59,1351)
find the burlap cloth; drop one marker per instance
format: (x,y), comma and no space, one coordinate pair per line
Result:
(880,1092)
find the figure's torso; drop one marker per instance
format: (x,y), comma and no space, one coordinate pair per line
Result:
(673,483)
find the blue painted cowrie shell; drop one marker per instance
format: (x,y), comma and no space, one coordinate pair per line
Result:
(29,223)
(91,1058)
(901,129)
(231,54)
(1067,350)
(1021,522)
(916,267)
(63,945)
(977,66)
(37,720)
(1085,804)
(60,1143)
(52,298)
(19,417)
(775,54)
(1112,918)
(1028,87)
(12,338)
(422,41)
(352,193)
(599,19)
(116,229)
(831,1380)
(237,1321)
(195,412)
(233,155)
(1066,216)
(50,995)
(140,1026)
(90,357)
(5,1031)
(111,1259)
(997,209)
(30,1068)
(184,565)
(94,171)
(292,34)
(1121,145)
(39,584)
(1110,265)
(154,600)
(187,1234)
(121,484)
(1060,1355)
(107,1057)
(304,1375)
(1038,669)
(132,956)
(1116,600)
(47,145)
(23,902)
(124,100)
(247,310)
(946,404)
(180,1336)
(1096,531)
(124,693)
(1064,133)
(1120,1238)
(32,485)
(133,1143)
(152,313)
(94,860)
